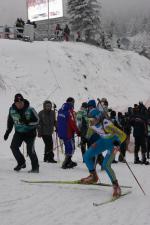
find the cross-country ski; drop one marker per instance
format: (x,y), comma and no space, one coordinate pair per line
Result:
(69,182)
(112,199)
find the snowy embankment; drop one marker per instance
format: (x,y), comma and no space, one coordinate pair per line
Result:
(48,70)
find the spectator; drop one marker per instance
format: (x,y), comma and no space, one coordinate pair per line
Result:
(118,42)
(66,33)
(124,123)
(78,36)
(66,128)
(45,130)
(19,27)
(82,123)
(34,24)
(7,32)
(148,132)
(139,133)
(25,120)
(28,22)
(58,32)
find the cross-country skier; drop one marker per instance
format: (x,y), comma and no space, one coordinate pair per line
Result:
(109,141)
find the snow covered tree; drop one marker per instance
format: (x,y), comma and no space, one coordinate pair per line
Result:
(85,17)
(146,24)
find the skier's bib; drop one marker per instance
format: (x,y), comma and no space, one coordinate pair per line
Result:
(112,129)
(108,129)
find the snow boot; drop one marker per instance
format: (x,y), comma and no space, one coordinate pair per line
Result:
(45,158)
(66,162)
(49,157)
(137,161)
(71,164)
(114,161)
(91,179)
(121,158)
(116,189)
(51,161)
(20,166)
(34,170)
(145,162)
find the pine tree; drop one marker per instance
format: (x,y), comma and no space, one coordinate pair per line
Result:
(85,17)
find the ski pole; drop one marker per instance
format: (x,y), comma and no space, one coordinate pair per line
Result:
(61,143)
(23,149)
(57,147)
(104,111)
(133,174)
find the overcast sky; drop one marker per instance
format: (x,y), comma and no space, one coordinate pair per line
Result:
(11,9)
(126,7)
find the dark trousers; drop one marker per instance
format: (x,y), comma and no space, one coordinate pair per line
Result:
(16,143)
(83,145)
(48,141)
(148,147)
(122,151)
(140,142)
(69,146)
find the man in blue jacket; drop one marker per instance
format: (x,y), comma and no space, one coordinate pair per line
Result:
(25,120)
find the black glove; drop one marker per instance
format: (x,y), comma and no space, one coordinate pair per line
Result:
(6,135)
(116,143)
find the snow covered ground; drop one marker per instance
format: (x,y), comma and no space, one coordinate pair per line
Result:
(49,70)
(58,204)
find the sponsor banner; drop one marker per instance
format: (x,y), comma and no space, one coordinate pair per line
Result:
(38,9)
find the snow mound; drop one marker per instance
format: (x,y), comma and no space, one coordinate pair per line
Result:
(56,70)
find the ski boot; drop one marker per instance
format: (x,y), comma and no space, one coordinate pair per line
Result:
(116,189)
(91,179)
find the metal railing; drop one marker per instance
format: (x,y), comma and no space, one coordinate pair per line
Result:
(13,32)
(18,33)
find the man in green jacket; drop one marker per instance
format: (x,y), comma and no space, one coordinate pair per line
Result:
(25,120)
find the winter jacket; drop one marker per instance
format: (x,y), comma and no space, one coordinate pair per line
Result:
(24,120)
(139,127)
(47,122)
(66,123)
(82,121)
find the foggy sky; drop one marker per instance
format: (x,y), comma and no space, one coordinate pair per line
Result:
(116,5)
(11,9)
(126,7)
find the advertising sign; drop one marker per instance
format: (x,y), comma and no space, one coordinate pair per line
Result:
(38,9)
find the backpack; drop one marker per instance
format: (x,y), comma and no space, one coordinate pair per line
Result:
(62,121)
